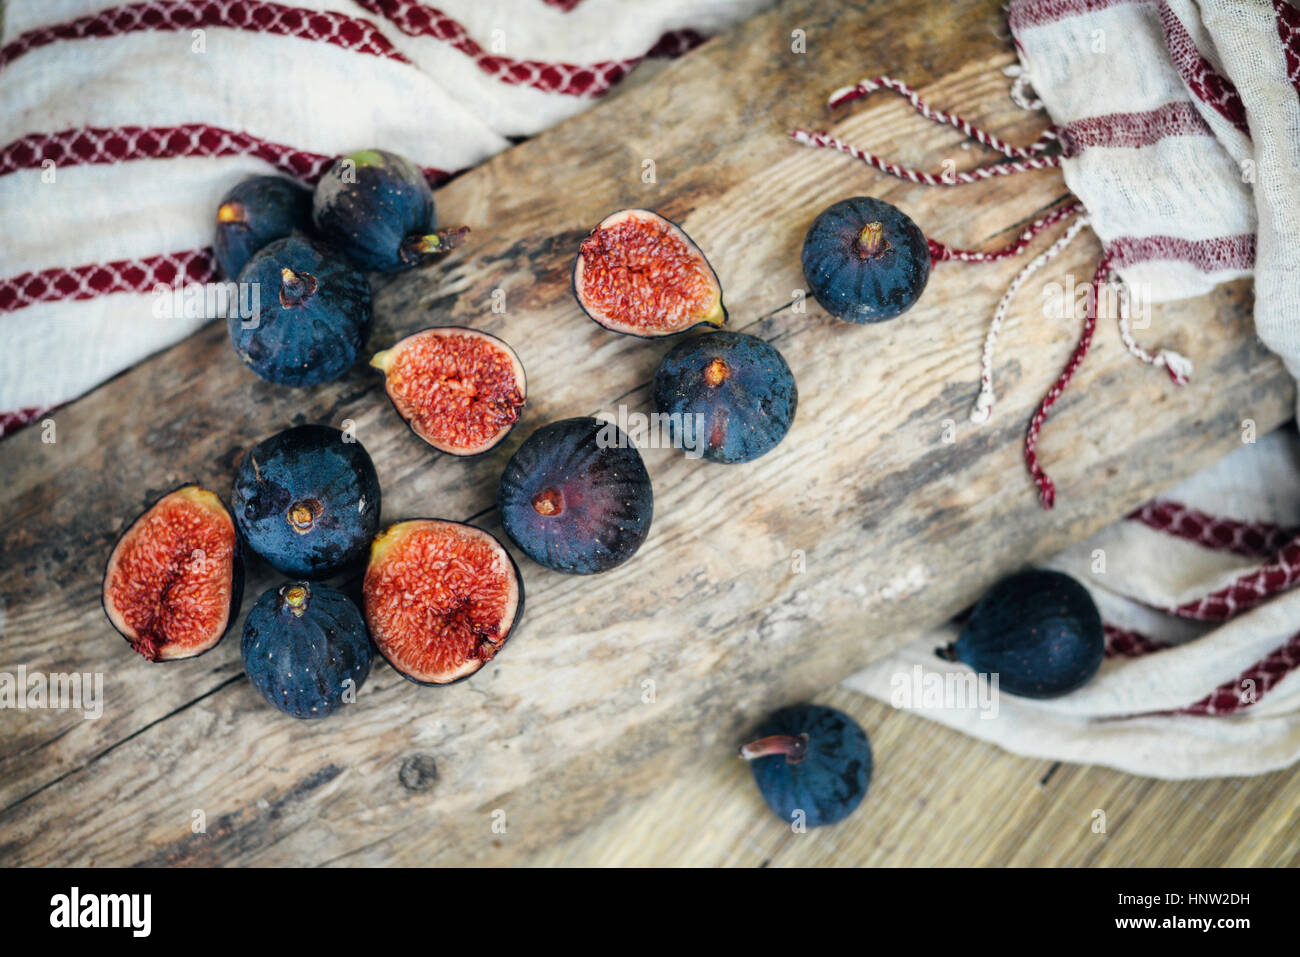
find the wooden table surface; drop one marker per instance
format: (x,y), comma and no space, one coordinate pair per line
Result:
(759,585)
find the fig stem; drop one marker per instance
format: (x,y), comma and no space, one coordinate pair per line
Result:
(871,241)
(716,372)
(295,287)
(793,746)
(295,595)
(947,652)
(416,247)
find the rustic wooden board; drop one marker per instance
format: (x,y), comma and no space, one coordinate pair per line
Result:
(941,799)
(714,614)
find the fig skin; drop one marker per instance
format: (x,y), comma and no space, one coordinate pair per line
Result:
(385,220)
(255,213)
(236,583)
(377,554)
(1039,631)
(386,360)
(865,260)
(307,501)
(301,642)
(813,759)
(740,384)
(715,315)
(573,500)
(313,314)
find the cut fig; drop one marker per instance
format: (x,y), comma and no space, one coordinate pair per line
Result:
(641,275)
(175,578)
(458,389)
(441,598)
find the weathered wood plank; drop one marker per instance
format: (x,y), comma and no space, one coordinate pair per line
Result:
(556,732)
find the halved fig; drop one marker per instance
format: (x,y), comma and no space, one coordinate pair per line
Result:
(441,598)
(174,580)
(458,389)
(640,274)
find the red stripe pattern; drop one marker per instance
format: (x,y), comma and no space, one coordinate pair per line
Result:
(1133,130)
(1247,539)
(1036,13)
(574,79)
(1207,255)
(1288,31)
(1204,82)
(100,279)
(11,422)
(1279,574)
(1251,685)
(1122,643)
(350,33)
(99,145)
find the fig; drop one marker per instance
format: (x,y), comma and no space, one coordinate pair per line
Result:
(812,760)
(1039,631)
(865,260)
(174,580)
(311,315)
(378,209)
(640,274)
(305,648)
(729,397)
(307,500)
(576,497)
(460,390)
(441,598)
(255,213)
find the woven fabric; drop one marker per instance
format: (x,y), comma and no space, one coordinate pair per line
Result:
(122,125)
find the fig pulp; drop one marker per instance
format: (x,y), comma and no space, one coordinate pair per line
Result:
(305,648)
(174,580)
(576,497)
(865,260)
(307,500)
(441,598)
(730,397)
(641,275)
(255,213)
(312,315)
(459,390)
(378,209)
(1039,631)
(810,759)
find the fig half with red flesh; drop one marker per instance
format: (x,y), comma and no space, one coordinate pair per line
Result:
(441,598)
(458,389)
(175,578)
(641,275)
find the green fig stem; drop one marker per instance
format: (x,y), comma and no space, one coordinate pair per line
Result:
(295,596)
(295,287)
(417,248)
(872,241)
(793,746)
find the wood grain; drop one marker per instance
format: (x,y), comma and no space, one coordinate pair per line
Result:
(759,583)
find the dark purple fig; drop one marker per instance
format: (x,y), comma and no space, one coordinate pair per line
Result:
(255,213)
(865,260)
(312,314)
(1039,631)
(307,500)
(174,580)
(812,761)
(576,497)
(730,397)
(378,209)
(460,390)
(641,275)
(305,648)
(442,599)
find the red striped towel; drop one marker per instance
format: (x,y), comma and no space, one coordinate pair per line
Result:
(122,124)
